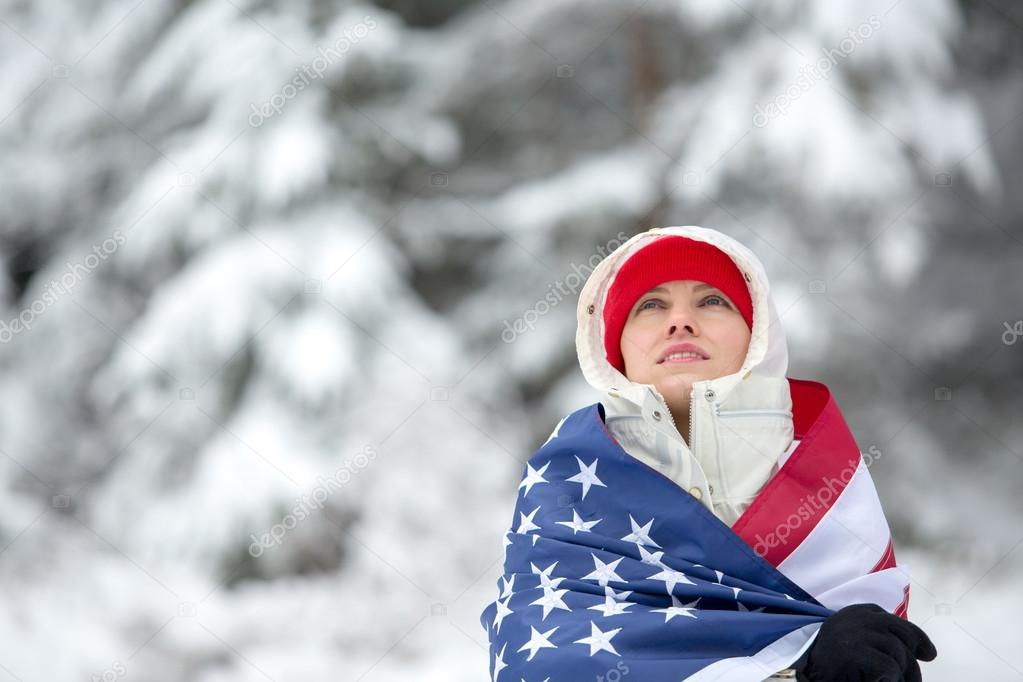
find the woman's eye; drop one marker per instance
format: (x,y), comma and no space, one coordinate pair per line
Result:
(645,305)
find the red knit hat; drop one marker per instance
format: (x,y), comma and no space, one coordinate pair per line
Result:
(667,259)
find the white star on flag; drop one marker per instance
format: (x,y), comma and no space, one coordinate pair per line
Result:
(640,534)
(743,607)
(602,572)
(718,573)
(599,641)
(671,578)
(554,433)
(612,606)
(533,477)
(546,581)
(538,640)
(506,588)
(651,558)
(577,524)
(502,611)
(526,522)
(551,600)
(587,476)
(620,596)
(677,608)
(499,662)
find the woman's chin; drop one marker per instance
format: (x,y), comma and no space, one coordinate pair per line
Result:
(676,385)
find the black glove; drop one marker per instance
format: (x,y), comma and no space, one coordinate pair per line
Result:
(863,642)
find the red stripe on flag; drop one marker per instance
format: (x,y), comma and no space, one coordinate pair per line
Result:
(887,560)
(792,502)
(902,610)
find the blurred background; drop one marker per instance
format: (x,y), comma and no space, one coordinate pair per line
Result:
(262,416)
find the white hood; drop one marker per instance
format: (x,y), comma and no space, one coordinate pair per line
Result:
(736,452)
(767,356)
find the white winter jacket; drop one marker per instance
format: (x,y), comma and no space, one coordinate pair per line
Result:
(740,425)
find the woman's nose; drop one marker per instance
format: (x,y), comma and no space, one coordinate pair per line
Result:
(681,319)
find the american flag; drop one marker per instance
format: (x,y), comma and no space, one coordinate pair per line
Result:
(612,571)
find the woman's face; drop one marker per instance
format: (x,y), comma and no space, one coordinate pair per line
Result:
(683,311)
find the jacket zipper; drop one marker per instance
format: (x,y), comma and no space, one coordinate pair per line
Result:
(692,414)
(671,417)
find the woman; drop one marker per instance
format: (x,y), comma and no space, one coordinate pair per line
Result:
(715,513)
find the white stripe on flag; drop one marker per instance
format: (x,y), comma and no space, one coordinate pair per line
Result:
(776,656)
(846,543)
(883,588)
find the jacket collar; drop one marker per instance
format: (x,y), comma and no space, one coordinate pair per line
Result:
(643,400)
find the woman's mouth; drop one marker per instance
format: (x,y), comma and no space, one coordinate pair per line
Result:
(682,357)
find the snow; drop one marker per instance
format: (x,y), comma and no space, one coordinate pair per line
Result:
(303,313)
